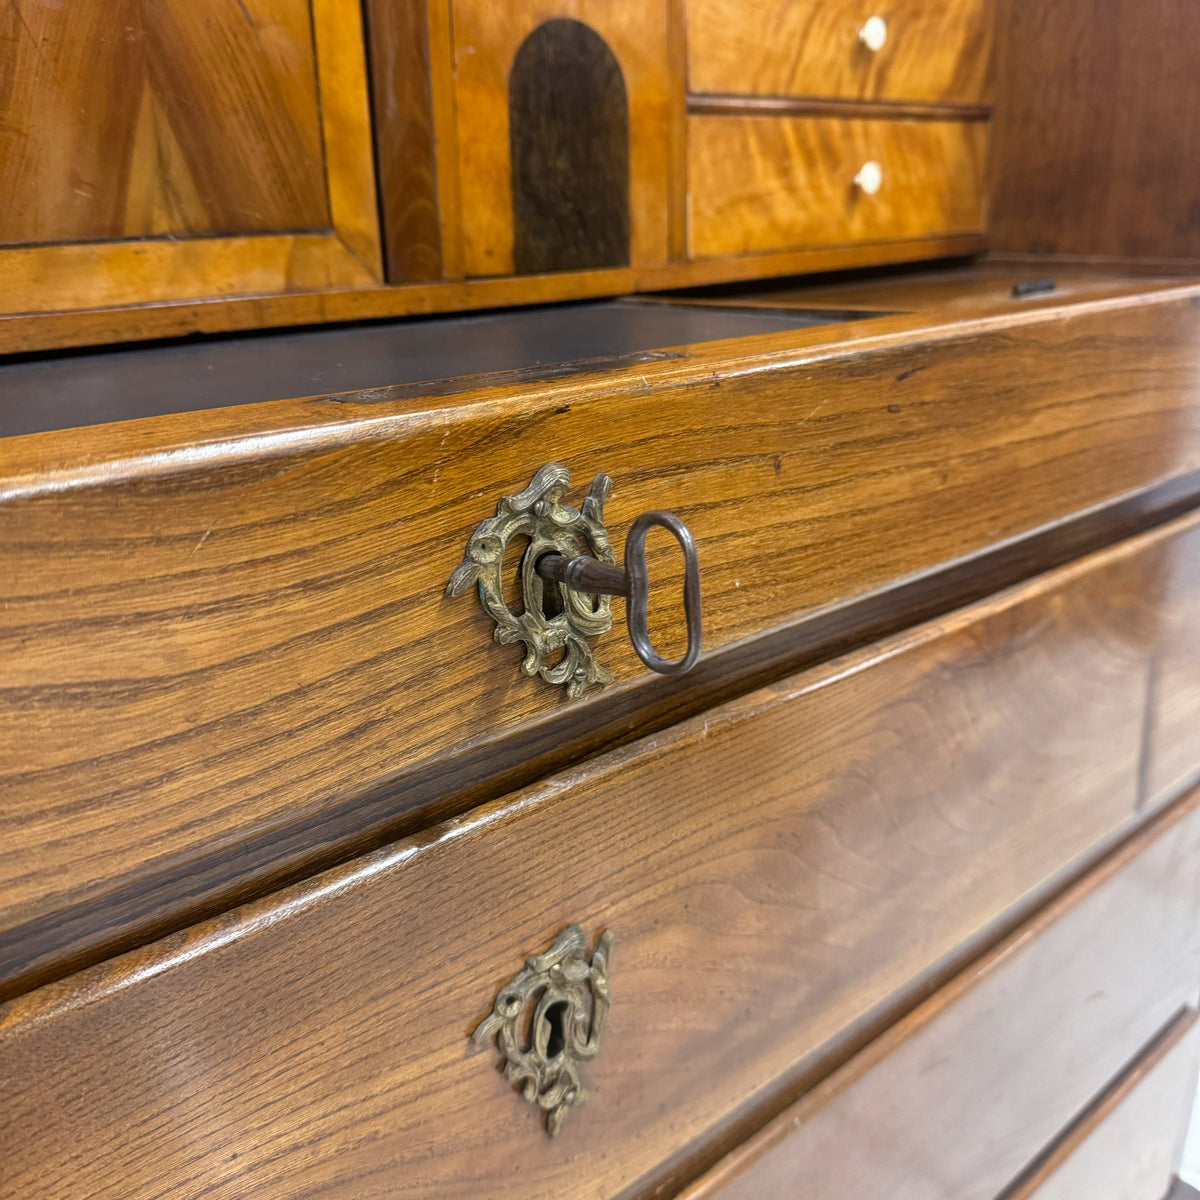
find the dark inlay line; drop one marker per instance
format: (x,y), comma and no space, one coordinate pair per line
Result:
(448,784)
(711,104)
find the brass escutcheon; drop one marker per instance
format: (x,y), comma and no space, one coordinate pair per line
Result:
(569,1000)
(569,552)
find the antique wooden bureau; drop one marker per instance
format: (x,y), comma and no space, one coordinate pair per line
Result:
(698,728)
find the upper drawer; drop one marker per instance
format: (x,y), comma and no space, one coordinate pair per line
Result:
(226,645)
(936,51)
(778,874)
(762,183)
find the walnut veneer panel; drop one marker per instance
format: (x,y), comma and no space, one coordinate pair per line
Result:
(953,1101)
(1127,1145)
(183,150)
(773,872)
(757,184)
(222,631)
(936,50)
(126,119)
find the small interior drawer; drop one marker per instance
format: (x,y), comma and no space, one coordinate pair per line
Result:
(768,183)
(933,51)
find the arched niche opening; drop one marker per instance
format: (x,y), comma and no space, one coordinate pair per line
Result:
(568,115)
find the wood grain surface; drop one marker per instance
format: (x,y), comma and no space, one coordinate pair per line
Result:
(965,290)
(762,183)
(954,1100)
(131,321)
(1097,111)
(936,52)
(405,137)
(780,874)
(224,632)
(195,150)
(1126,1145)
(1173,747)
(124,119)
(487,37)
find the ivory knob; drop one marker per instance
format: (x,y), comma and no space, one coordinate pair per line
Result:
(869,178)
(873,34)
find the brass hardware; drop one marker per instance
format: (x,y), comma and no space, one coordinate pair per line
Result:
(569,548)
(570,1000)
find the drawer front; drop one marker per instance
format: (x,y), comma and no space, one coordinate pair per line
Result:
(763,183)
(1019,1045)
(776,874)
(220,656)
(1126,1146)
(1173,757)
(933,50)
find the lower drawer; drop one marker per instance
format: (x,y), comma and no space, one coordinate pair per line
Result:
(1126,1146)
(779,875)
(762,183)
(955,1100)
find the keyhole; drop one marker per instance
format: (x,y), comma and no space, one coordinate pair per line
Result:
(556,1018)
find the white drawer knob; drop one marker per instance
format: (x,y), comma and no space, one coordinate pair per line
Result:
(873,34)
(869,178)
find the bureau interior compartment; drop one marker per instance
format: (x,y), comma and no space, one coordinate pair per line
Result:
(89,388)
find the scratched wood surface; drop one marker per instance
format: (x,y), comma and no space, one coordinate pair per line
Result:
(225,635)
(779,875)
(1019,1045)
(763,183)
(938,52)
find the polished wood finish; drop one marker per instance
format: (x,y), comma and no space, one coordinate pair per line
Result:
(937,51)
(1125,1146)
(1097,117)
(398,41)
(1017,1045)
(487,38)
(1173,755)
(780,874)
(965,291)
(257,592)
(759,184)
(240,120)
(30,332)
(126,120)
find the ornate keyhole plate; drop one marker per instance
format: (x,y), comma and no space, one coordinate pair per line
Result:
(556,645)
(547,1022)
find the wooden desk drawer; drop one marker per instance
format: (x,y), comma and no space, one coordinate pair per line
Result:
(226,646)
(779,875)
(1173,755)
(935,50)
(954,1101)
(763,183)
(1126,1146)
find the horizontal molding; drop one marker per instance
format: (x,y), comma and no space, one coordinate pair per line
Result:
(789,106)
